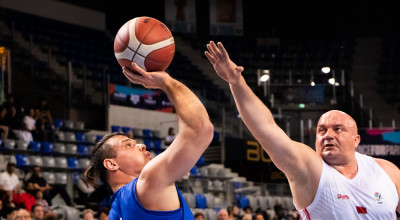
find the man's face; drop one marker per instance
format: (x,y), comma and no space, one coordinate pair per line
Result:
(336,137)
(10,168)
(222,215)
(36,171)
(38,213)
(22,214)
(131,156)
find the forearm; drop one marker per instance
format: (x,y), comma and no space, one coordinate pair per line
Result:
(190,111)
(252,110)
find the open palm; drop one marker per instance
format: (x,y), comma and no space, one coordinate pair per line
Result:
(222,64)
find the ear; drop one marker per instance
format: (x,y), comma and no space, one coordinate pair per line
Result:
(110,164)
(357,140)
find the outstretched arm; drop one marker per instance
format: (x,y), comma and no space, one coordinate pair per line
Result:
(296,160)
(194,136)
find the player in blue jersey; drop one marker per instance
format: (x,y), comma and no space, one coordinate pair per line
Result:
(144,188)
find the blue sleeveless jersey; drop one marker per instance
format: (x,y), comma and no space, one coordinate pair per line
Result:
(125,205)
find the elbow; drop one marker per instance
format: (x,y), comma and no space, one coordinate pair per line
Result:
(206,131)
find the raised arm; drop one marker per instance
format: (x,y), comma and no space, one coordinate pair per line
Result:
(292,158)
(194,136)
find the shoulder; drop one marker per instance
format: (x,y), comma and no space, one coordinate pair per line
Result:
(391,169)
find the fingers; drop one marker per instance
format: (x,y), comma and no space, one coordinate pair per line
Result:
(213,49)
(210,57)
(137,68)
(222,49)
(133,77)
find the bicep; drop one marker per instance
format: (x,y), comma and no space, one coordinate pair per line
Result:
(291,157)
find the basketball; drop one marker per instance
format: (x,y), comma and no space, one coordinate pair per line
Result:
(146,41)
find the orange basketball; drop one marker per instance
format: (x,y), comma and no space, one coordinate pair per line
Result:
(146,41)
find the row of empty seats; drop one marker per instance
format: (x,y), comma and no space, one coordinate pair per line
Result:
(51,162)
(46,147)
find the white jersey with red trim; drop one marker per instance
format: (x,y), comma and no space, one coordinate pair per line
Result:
(371,194)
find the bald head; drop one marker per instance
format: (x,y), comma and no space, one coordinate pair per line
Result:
(339,117)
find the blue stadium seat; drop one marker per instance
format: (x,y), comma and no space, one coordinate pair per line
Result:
(200,161)
(201,201)
(243,201)
(72,162)
(47,147)
(149,143)
(116,128)
(80,137)
(157,144)
(82,149)
(21,160)
(147,133)
(58,123)
(35,145)
(194,171)
(99,137)
(126,129)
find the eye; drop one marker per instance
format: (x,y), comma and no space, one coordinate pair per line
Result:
(321,130)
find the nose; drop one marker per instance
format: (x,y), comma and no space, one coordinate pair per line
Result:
(329,134)
(141,146)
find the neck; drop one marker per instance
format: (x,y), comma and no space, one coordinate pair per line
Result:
(348,170)
(116,181)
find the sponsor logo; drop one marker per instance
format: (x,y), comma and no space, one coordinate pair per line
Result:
(343,197)
(378,198)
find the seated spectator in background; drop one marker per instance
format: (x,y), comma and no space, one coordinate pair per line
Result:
(84,191)
(16,125)
(260,216)
(199,216)
(233,212)
(37,182)
(170,136)
(7,213)
(222,214)
(29,124)
(10,102)
(280,213)
(37,212)
(44,119)
(88,214)
(51,216)
(9,181)
(247,216)
(40,201)
(102,214)
(247,210)
(3,123)
(22,214)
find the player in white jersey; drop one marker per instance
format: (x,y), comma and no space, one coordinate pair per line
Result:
(333,182)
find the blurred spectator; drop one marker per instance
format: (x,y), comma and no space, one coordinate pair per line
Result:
(7,213)
(84,191)
(199,216)
(3,123)
(22,214)
(9,181)
(170,136)
(233,212)
(10,102)
(248,210)
(37,212)
(29,124)
(295,215)
(40,201)
(50,216)
(37,182)
(280,213)
(222,215)
(44,119)
(259,216)
(88,214)
(102,214)
(247,216)
(17,127)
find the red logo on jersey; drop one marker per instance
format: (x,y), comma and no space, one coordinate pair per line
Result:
(361,210)
(343,197)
